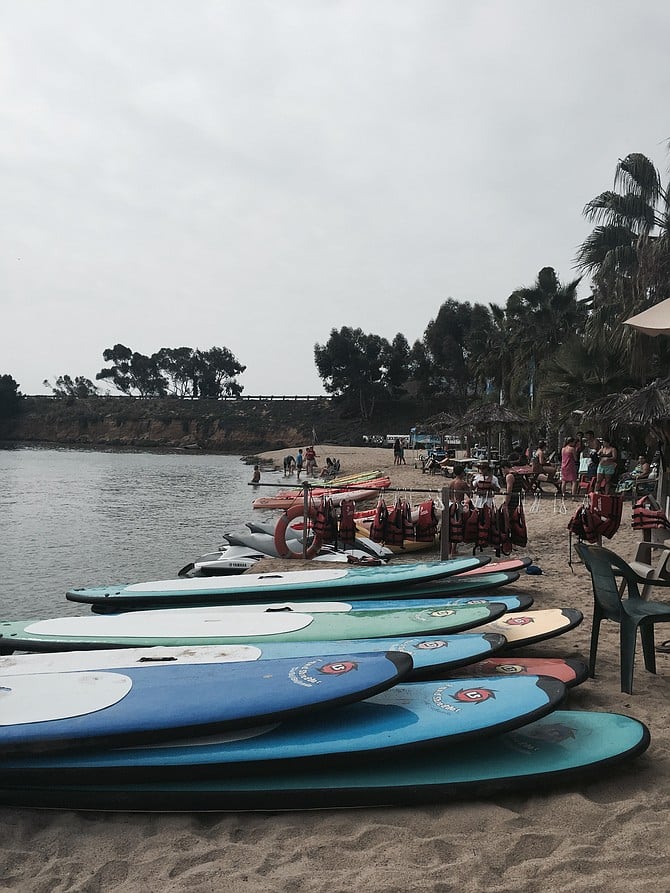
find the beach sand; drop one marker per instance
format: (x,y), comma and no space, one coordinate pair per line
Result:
(607,834)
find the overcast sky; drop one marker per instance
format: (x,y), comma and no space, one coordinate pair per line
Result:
(253,174)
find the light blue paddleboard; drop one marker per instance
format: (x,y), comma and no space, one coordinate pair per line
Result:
(159,593)
(410,715)
(564,749)
(44,711)
(430,656)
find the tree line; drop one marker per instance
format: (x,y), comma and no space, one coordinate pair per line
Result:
(544,352)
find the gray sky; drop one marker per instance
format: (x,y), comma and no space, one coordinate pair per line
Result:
(253,174)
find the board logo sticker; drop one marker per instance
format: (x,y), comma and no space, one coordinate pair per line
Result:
(473,695)
(518,621)
(508,669)
(444,612)
(339,668)
(304,675)
(552,733)
(430,646)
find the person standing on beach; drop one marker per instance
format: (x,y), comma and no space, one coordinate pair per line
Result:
(310,461)
(608,458)
(484,485)
(396,451)
(289,466)
(298,464)
(568,467)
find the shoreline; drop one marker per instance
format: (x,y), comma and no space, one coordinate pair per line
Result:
(608,833)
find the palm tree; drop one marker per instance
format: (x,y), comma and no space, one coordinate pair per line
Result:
(628,256)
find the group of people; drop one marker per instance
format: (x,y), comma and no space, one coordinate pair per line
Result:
(307,460)
(588,458)
(484,486)
(398,452)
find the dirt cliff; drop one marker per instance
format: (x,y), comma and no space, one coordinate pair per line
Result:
(221,426)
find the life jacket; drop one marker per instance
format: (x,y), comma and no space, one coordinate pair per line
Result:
(426,523)
(483,489)
(456,522)
(504,531)
(394,526)
(517,525)
(471,526)
(325,524)
(485,525)
(606,511)
(379,523)
(347,527)
(582,525)
(408,530)
(645,517)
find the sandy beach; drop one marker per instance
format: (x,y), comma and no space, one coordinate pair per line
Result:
(610,834)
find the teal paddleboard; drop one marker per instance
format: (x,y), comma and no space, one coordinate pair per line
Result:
(211,590)
(564,748)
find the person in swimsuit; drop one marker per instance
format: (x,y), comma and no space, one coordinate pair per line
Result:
(515,485)
(608,456)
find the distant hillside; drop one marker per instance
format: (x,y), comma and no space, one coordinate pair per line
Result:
(223,426)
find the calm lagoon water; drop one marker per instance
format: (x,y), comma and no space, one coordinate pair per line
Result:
(75,517)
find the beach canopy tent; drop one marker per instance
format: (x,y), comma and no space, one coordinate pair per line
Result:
(654,321)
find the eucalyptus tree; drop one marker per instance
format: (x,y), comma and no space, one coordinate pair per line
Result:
(541,318)
(448,361)
(11,397)
(362,367)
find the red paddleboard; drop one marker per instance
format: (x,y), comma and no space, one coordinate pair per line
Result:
(570,671)
(495,567)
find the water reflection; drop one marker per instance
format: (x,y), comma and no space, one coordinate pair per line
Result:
(85,518)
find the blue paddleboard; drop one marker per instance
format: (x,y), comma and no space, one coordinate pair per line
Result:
(43,711)
(410,715)
(564,748)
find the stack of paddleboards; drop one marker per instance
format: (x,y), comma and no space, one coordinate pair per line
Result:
(245,699)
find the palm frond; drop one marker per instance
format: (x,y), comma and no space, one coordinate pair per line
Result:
(636,173)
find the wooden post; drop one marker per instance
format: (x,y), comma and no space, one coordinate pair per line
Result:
(305,516)
(444,527)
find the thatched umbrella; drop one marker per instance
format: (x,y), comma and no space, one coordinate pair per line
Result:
(491,415)
(440,422)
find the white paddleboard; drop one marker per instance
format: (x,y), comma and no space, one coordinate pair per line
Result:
(244,581)
(50,696)
(172,625)
(119,658)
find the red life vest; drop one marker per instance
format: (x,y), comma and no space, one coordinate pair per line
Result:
(394,526)
(517,524)
(347,528)
(379,523)
(456,522)
(426,524)
(647,518)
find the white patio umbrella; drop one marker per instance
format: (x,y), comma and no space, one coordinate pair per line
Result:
(654,321)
